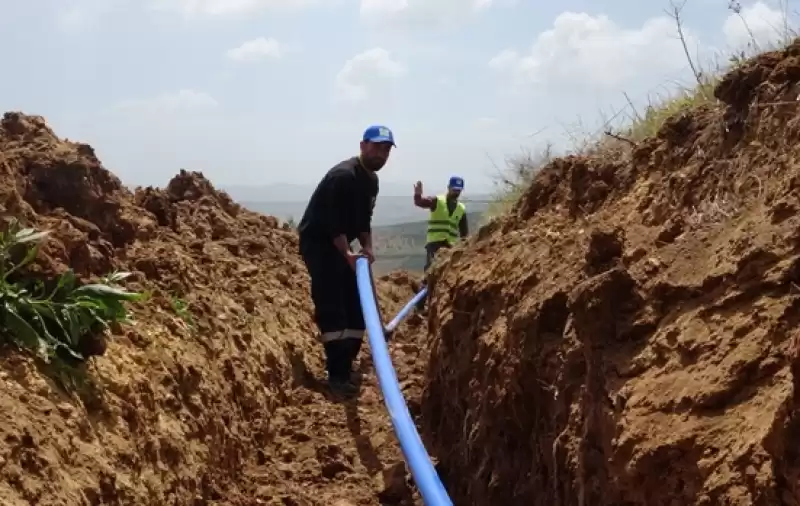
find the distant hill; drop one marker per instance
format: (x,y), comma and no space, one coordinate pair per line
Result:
(399,228)
(288,192)
(389,210)
(402,246)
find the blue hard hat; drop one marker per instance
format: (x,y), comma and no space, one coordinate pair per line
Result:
(379,133)
(456,183)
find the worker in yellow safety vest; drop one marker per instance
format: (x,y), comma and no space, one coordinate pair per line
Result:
(447,222)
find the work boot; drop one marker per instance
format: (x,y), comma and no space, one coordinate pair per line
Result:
(342,387)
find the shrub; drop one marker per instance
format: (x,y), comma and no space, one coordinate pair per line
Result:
(64,320)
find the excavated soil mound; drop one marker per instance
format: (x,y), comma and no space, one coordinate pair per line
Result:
(212,395)
(626,335)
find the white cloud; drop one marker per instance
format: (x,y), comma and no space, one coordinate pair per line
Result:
(183,100)
(420,13)
(78,14)
(758,21)
(584,51)
(445,82)
(504,60)
(367,73)
(226,7)
(256,50)
(74,17)
(485,123)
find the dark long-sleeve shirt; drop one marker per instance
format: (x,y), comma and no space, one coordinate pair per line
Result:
(431,203)
(342,203)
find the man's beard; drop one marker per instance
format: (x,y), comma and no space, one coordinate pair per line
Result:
(374,165)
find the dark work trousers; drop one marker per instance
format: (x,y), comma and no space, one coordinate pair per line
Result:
(337,307)
(430,254)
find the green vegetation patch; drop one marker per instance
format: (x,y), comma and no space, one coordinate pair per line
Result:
(63,320)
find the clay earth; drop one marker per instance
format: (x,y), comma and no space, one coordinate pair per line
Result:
(626,335)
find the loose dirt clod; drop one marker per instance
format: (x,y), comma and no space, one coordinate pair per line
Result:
(212,396)
(572,365)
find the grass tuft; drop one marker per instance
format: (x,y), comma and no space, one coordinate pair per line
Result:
(639,125)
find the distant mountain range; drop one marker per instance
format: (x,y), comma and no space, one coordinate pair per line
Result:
(289,202)
(287,192)
(399,229)
(398,226)
(402,246)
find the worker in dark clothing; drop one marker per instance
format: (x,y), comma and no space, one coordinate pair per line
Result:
(339,212)
(447,221)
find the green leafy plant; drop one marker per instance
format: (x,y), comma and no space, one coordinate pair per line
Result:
(181,309)
(59,320)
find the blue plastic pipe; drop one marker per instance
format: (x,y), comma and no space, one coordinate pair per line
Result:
(407,309)
(430,486)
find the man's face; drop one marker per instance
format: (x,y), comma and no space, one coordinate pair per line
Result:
(375,154)
(453,193)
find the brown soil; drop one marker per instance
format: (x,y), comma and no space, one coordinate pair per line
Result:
(218,405)
(627,336)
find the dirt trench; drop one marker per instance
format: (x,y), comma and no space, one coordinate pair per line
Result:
(212,396)
(628,334)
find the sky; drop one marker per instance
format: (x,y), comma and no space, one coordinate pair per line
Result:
(256,92)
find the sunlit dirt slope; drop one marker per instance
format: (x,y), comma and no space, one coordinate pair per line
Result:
(626,335)
(212,395)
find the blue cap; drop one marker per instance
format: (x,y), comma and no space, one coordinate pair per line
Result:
(379,133)
(456,183)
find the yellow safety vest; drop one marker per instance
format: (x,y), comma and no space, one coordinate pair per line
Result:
(443,226)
